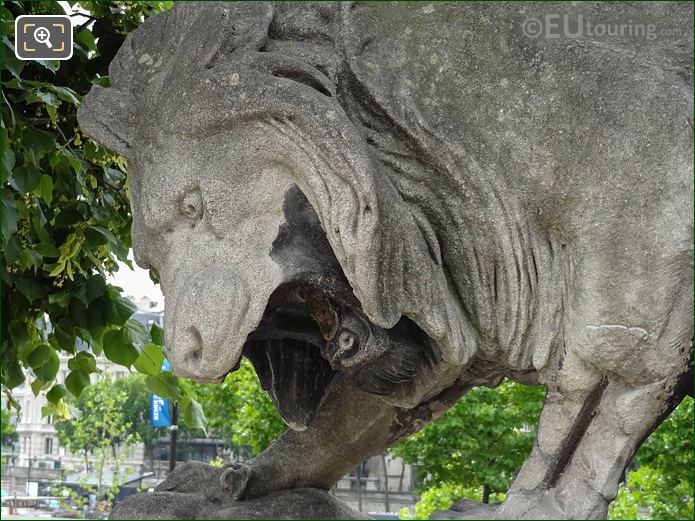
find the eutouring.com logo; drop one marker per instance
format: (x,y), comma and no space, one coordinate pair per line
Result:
(558,26)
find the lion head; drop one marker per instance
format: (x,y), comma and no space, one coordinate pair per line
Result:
(258,198)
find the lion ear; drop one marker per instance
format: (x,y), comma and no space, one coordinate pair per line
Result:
(108,117)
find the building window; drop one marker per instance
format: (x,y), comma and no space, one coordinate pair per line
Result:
(48,445)
(49,419)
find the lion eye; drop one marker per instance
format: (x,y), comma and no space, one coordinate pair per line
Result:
(192,205)
(346,339)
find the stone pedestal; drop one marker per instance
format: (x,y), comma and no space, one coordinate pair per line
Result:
(193,491)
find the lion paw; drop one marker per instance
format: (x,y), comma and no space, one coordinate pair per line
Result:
(234,479)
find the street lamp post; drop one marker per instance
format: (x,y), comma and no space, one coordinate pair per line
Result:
(172,445)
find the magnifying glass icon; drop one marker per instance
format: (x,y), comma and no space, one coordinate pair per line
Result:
(43,35)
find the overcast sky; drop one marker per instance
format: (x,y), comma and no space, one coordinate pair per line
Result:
(136,283)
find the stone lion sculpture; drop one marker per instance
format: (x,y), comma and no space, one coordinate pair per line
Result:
(385,205)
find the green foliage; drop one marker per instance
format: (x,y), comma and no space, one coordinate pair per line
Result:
(662,486)
(217,462)
(8,432)
(481,441)
(441,497)
(100,433)
(66,217)
(100,421)
(240,412)
(136,408)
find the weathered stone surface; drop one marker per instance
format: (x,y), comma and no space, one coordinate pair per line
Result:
(193,491)
(383,205)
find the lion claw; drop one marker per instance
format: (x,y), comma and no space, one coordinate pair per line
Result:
(234,479)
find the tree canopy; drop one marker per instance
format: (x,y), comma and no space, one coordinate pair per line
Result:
(661,485)
(480,443)
(240,412)
(483,440)
(66,219)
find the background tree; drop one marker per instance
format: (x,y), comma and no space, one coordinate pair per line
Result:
(8,432)
(66,217)
(662,485)
(473,450)
(480,443)
(136,411)
(240,412)
(100,434)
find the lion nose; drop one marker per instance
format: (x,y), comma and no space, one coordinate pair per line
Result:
(194,350)
(188,358)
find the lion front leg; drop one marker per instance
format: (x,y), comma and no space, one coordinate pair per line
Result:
(350,427)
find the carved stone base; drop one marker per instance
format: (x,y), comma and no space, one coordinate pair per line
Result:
(193,491)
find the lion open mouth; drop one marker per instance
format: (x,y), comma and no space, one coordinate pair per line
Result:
(313,330)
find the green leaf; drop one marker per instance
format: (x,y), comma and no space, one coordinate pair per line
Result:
(90,150)
(8,157)
(37,96)
(13,250)
(121,310)
(94,288)
(67,94)
(9,213)
(102,81)
(39,356)
(99,310)
(62,299)
(97,236)
(38,141)
(165,385)
(68,216)
(60,410)
(52,113)
(193,415)
(64,332)
(150,360)
(135,332)
(84,362)
(51,65)
(77,313)
(118,351)
(30,288)
(157,334)
(86,39)
(37,386)
(18,331)
(47,250)
(46,188)
(9,60)
(13,373)
(56,393)
(26,178)
(76,381)
(47,372)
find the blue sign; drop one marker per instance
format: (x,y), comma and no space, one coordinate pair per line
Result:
(159,407)
(159,411)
